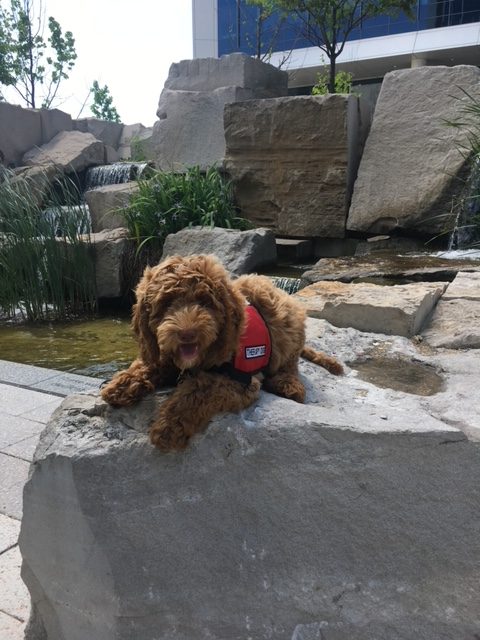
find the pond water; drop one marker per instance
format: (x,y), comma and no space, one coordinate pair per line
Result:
(92,347)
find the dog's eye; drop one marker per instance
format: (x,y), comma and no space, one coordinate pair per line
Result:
(207,303)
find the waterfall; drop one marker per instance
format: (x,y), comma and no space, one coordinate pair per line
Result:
(61,217)
(466,230)
(116,173)
(290,285)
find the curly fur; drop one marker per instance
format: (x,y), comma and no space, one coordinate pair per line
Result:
(188,318)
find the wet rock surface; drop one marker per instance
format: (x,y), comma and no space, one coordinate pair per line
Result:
(390,267)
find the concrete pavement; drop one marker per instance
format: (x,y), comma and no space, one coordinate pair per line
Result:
(28,396)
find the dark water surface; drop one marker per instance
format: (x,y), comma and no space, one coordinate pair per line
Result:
(94,347)
(402,375)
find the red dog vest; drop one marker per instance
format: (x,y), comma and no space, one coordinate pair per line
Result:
(255,348)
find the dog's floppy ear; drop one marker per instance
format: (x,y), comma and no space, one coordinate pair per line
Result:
(149,351)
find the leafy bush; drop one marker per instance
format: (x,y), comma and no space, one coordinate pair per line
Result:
(343,83)
(169,201)
(46,270)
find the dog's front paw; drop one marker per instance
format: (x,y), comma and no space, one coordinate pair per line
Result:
(168,437)
(124,390)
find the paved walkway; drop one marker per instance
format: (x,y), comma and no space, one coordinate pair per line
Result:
(28,396)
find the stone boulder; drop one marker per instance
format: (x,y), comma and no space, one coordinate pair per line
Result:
(293,161)
(104,130)
(104,204)
(352,516)
(69,151)
(413,165)
(239,251)
(130,143)
(233,70)
(111,250)
(22,129)
(400,310)
(190,110)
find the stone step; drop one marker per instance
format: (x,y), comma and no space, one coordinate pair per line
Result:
(455,323)
(393,310)
(465,286)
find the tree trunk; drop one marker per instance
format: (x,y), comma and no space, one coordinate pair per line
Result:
(331,79)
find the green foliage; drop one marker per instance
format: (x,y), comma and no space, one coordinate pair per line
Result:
(137,152)
(466,232)
(263,41)
(328,23)
(46,269)
(30,64)
(168,202)
(343,83)
(102,106)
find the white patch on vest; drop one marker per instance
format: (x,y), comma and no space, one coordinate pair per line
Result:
(255,352)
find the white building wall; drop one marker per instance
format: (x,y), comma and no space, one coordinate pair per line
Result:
(205,32)
(414,43)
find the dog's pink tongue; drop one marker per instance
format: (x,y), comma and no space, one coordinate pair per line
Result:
(188,351)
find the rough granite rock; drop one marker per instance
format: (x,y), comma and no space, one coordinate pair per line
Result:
(21,129)
(292,161)
(104,203)
(106,131)
(189,131)
(239,251)
(413,165)
(353,516)
(69,151)
(110,249)
(399,310)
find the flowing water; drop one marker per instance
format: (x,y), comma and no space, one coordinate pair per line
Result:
(116,173)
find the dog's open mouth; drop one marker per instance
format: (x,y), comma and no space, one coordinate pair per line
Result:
(188,352)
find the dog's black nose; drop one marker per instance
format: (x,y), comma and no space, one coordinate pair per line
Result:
(188,336)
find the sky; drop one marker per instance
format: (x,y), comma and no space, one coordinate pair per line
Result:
(128,45)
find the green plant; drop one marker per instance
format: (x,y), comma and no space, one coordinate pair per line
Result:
(29,63)
(343,83)
(466,229)
(169,201)
(327,24)
(137,152)
(46,269)
(102,106)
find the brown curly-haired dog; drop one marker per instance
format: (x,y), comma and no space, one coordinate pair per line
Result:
(189,318)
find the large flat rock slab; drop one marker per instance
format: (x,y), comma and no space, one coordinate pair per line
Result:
(396,310)
(389,266)
(339,515)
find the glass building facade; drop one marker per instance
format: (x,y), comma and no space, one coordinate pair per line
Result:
(238,25)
